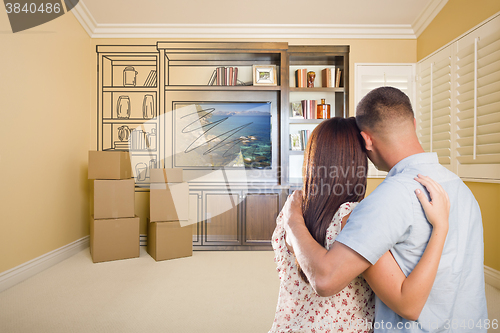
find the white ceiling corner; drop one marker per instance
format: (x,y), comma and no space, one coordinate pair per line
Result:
(427,15)
(84,16)
(275,31)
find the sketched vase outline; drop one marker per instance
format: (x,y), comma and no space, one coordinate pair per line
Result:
(123,107)
(148,110)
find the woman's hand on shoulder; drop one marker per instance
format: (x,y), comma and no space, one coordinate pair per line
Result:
(437,210)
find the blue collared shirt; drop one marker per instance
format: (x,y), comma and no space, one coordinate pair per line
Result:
(391,218)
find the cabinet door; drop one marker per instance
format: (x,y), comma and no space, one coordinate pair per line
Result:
(222,219)
(434,106)
(260,217)
(477,75)
(194,217)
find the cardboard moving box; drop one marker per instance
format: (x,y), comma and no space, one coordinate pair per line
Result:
(169,202)
(166,175)
(114,239)
(109,165)
(168,240)
(114,198)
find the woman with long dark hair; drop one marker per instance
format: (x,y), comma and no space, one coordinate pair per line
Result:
(334,181)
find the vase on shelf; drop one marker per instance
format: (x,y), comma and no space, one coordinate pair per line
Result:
(310,79)
(323,110)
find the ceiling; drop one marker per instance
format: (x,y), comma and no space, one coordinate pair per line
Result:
(197,18)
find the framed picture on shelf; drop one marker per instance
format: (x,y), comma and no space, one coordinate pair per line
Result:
(264,75)
(297,110)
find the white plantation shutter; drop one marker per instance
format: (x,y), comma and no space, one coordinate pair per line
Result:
(433,112)
(477,70)
(371,76)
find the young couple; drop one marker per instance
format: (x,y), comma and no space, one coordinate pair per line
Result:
(333,249)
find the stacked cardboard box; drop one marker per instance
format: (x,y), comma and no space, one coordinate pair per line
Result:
(169,211)
(114,228)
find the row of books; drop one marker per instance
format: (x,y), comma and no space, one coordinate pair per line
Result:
(330,78)
(299,140)
(151,79)
(305,109)
(224,76)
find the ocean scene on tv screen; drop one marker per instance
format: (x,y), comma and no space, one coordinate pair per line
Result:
(222,134)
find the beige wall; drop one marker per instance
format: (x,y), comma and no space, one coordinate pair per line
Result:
(44,112)
(488,197)
(456,18)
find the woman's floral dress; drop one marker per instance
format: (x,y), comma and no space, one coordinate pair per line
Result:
(300,309)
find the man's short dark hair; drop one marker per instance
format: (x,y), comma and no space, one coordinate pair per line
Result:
(382,106)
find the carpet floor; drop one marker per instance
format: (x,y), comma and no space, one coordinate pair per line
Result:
(210,292)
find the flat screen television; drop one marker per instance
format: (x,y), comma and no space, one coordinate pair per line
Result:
(217,132)
(223,134)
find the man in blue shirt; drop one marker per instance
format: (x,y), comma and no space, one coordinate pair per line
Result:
(391,218)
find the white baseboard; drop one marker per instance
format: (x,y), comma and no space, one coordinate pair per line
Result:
(492,277)
(28,269)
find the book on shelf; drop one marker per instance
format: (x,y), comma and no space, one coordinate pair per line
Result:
(151,79)
(235,78)
(212,78)
(121,145)
(231,76)
(301,78)
(224,76)
(328,77)
(304,135)
(309,108)
(138,140)
(337,77)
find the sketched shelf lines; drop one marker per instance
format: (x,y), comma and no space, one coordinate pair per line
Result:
(129,89)
(124,121)
(222,88)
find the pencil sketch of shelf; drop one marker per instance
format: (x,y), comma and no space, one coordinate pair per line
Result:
(222,88)
(123,121)
(129,89)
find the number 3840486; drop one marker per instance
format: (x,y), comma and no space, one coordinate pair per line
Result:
(471,324)
(47,8)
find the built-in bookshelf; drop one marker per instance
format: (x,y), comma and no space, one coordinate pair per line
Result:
(143,90)
(320,60)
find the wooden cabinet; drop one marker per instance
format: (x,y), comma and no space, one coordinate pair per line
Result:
(222,219)
(261,211)
(194,215)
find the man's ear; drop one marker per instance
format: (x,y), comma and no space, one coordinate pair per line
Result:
(368,140)
(415,123)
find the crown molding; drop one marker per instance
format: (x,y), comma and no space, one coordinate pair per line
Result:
(427,15)
(267,31)
(212,31)
(85,18)
(273,31)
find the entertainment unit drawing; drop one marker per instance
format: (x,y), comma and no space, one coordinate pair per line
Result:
(192,105)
